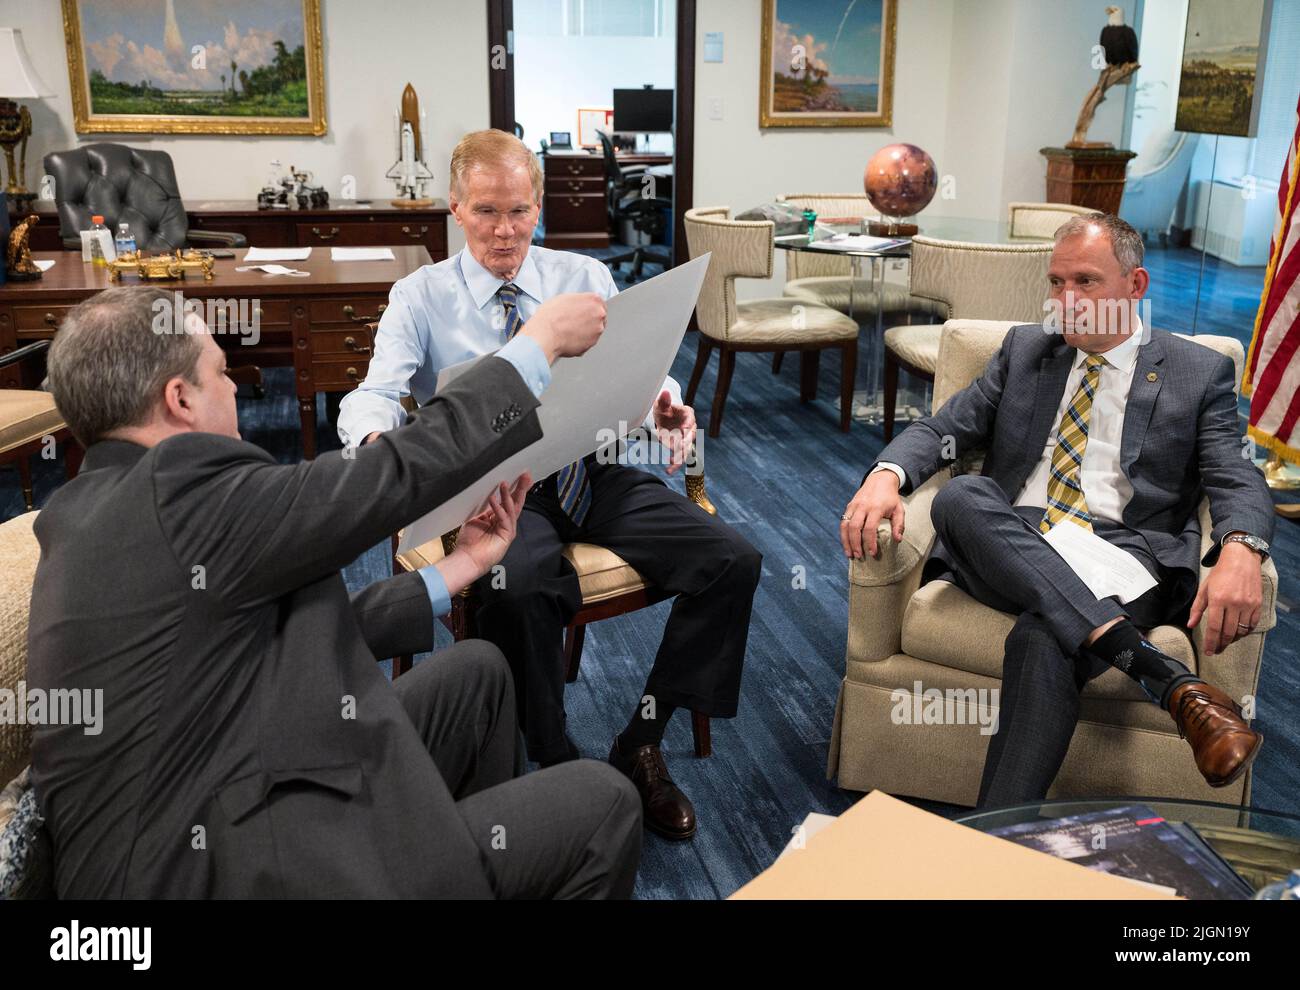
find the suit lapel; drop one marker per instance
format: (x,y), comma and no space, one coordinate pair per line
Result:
(1053,371)
(1147,380)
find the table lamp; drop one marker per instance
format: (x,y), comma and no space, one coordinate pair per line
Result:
(18,80)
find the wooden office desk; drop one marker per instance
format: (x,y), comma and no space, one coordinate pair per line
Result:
(316,325)
(342,223)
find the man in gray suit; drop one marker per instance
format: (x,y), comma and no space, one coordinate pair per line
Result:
(250,745)
(1097,421)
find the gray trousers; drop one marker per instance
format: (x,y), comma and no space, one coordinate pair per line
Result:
(573,831)
(993,551)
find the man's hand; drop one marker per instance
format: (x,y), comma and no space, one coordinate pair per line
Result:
(484,538)
(371,438)
(1230,598)
(675,427)
(877,499)
(567,325)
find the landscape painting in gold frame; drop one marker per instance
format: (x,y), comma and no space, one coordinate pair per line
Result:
(196,66)
(827,63)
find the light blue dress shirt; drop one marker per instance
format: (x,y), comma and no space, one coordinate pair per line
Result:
(446,313)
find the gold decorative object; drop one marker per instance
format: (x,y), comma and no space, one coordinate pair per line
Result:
(18,256)
(162,267)
(179,53)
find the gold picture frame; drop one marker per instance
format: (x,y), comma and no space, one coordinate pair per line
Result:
(839,116)
(309,68)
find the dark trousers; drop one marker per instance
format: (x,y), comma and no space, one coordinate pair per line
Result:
(573,831)
(710,568)
(994,552)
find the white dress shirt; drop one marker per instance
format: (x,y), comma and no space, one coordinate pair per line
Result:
(447,313)
(1105,487)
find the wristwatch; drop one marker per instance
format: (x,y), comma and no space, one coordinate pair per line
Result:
(1254,542)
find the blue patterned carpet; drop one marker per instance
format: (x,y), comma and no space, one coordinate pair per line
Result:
(780,473)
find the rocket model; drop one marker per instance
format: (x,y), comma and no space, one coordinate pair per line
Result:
(410,171)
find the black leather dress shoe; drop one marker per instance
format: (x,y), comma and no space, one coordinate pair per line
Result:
(666,810)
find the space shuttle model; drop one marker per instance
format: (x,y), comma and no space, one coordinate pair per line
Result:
(410,171)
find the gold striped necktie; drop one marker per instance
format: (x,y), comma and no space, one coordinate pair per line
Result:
(1064,484)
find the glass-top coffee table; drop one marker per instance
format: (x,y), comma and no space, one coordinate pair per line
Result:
(1263,847)
(868,404)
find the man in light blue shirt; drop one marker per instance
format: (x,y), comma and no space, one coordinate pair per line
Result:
(474,303)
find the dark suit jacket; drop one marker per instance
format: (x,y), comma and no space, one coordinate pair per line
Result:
(251,747)
(1181,439)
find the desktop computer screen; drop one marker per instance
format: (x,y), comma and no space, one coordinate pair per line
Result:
(643,110)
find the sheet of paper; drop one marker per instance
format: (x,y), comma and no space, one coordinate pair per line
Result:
(1104,568)
(858,242)
(593,399)
(44,266)
(361,254)
(277,254)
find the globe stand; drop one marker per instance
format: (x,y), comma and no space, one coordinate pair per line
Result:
(891,228)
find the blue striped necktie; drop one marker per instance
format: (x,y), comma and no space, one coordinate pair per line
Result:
(571,481)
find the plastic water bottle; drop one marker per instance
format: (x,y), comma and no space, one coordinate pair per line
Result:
(124,242)
(97,233)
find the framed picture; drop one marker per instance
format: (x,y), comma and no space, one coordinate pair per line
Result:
(591,120)
(1222,69)
(196,66)
(827,63)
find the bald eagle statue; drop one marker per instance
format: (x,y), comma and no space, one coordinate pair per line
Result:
(1118,40)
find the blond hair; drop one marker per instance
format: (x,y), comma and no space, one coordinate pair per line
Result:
(488,149)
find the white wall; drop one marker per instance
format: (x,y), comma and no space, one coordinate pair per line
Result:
(371,51)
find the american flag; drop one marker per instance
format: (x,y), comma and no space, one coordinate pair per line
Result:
(1272,378)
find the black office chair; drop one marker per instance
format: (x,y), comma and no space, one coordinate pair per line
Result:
(627,201)
(126,185)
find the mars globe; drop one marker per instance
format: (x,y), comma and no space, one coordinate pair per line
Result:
(900,180)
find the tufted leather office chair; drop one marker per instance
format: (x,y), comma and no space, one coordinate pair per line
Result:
(126,185)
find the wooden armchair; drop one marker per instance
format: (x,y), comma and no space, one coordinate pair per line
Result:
(610,586)
(27,417)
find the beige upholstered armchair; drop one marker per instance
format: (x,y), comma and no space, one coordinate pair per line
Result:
(903,637)
(745,248)
(969,282)
(1042,219)
(27,418)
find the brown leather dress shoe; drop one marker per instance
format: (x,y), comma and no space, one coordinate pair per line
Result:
(666,810)
(1222,743)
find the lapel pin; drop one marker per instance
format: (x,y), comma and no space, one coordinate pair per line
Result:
(1152,376)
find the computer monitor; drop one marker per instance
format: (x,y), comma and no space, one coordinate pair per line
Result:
(643,111)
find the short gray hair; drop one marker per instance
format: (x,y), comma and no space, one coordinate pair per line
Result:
(109,361)
(1125,242)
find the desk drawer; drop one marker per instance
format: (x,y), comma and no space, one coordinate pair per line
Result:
(348,343)
(39,317)
(343,310)
(576,212)
(343,372)
(362,234)
(560,184)
(274,312)
(566,167)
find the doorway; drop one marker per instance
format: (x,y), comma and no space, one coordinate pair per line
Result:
(604,92)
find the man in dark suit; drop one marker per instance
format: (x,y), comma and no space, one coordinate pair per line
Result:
(1096,421)
(250,746)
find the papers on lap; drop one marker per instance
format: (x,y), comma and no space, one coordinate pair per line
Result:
(594,399)
(1103,567)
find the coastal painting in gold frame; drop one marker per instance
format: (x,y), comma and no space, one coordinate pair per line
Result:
(196,66)
(827,63)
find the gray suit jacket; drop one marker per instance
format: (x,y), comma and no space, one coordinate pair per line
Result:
(1181,439)
(250,745)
